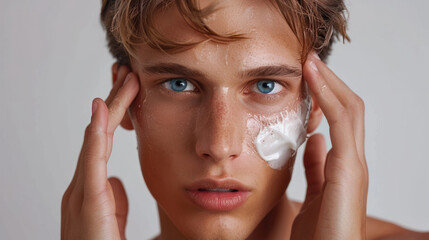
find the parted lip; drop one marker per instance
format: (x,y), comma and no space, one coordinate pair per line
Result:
(225,183)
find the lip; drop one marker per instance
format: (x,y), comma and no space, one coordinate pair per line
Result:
(199,193)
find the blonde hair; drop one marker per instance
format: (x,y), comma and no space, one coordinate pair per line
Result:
(128,23)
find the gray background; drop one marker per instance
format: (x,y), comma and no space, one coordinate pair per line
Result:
(53,62)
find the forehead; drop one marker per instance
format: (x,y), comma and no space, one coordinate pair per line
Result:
(269,39)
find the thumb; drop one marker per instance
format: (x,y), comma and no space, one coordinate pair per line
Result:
(314,164)
(121,201)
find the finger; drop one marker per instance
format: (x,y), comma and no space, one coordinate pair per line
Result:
(121,202)
(340,127)
(343,92)
(314,164)
(78,174)
(78,180)
(118,74)
(94,157)
(122,100)
(352,102)
(104,122)
(119,105)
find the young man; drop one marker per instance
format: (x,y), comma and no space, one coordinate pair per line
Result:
(200,82)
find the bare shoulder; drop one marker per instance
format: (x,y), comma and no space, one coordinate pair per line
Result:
(377,229)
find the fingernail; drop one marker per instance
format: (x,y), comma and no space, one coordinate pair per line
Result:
(127,79)
(94,106)
(313,66)
(316,55)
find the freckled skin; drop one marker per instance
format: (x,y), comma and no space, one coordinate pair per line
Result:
(183,138)
(207,132)
(187,137)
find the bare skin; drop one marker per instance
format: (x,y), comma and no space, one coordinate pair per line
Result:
(190,135)
(96,207)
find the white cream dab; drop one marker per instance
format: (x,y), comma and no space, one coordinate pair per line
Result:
(280,139)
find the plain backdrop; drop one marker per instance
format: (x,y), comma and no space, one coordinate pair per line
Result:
(54,61)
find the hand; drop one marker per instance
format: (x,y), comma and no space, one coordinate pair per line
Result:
(94,207)
(337,181)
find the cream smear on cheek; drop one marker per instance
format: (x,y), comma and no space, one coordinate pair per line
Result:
(280,136)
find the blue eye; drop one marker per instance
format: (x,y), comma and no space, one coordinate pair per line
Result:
(268,87)
(179,85)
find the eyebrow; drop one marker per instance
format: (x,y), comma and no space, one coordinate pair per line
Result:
(275,70)
(177,69)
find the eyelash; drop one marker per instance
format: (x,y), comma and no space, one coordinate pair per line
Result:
(254,86)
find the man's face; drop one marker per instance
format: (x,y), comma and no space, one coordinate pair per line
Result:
(195,116)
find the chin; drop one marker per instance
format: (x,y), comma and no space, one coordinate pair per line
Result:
(217,235)
(215,227)
(214,232)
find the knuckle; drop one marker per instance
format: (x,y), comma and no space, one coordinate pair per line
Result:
(357,104)
(358,174)
(361,177)
(89,129)
(65,198)
(365,175)
(346,174)
(94,158)
(97,199)
(110,134)
(92,130)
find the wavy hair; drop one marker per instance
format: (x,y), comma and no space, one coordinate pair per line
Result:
(128,23)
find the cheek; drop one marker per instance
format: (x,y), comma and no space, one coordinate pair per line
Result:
(164,135)
(271,181)
(281,134)
(161,125)
(272,185)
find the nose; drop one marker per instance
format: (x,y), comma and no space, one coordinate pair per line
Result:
(219,129)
